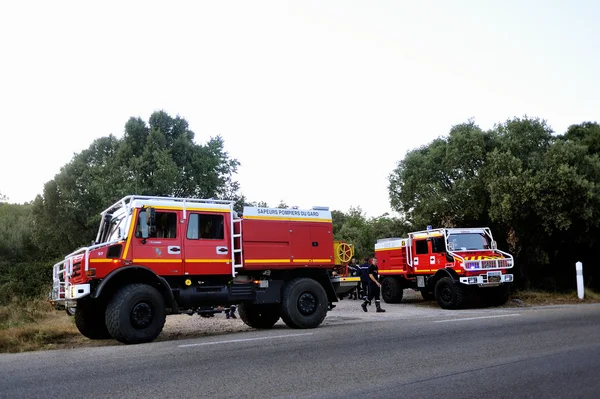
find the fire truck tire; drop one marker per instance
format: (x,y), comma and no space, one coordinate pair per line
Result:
(89,320)
(496,296)
(449,294)
(391,290)
(259,316)
(427,295)
(136,314)
(304,303)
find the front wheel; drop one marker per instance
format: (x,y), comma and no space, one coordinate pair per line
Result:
(89,319)
(259,316)
(304,303)
(449,294)
(136,314)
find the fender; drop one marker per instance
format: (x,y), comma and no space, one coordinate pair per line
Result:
(135,274)
(445,273)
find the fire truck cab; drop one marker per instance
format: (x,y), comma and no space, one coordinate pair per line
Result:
(446,264)
(155,256)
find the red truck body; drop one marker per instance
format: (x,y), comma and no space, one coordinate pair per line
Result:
(185,255)
(446,264)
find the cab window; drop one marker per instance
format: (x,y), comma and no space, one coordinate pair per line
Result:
(202,226)
(166,225)
(421,247)
(438,245)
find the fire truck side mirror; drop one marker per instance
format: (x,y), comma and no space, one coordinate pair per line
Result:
(494,245)
(151,220)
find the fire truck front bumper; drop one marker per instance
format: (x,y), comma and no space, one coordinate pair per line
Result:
(76,291)
(487,279)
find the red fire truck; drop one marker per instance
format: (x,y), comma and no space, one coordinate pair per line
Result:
(155,256)
(446,264)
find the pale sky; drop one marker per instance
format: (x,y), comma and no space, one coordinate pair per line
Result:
(318,100)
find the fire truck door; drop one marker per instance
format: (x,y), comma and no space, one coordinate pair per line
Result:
(161,251)
(207,243)
(421,255)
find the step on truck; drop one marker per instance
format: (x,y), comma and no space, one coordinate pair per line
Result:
(450,265)
(157,256)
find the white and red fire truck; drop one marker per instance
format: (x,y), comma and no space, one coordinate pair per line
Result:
(449,265)
(155,256)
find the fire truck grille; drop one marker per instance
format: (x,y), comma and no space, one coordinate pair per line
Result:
(494,264)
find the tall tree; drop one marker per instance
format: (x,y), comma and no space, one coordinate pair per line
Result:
(441,184)
(539,192)
(158,158)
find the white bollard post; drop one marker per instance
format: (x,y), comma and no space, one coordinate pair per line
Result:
(579,274)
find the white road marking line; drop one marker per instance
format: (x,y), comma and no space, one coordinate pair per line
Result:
(243,340)
(477,318)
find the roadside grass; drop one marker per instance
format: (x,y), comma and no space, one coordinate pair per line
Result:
(541,298)
(35,325)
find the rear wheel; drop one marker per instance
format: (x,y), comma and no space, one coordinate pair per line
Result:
(304,303)
(449,294)
(391,290)
(89,320)
(259,316)
(136,314)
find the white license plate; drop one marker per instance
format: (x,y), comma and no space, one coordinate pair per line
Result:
(494,277)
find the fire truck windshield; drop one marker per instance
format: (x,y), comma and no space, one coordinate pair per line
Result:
(112,229)
(468,241)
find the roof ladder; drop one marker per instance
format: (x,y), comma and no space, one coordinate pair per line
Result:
(237,260)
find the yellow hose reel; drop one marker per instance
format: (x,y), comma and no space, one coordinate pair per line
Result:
(343,252)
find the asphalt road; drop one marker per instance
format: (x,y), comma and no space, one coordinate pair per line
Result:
(410,351)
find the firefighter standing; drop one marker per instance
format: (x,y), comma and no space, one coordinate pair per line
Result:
(374,287)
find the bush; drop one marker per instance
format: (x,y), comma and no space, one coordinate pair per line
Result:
(26,280)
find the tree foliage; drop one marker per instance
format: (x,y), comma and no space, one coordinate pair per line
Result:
(155,158)
(537,191)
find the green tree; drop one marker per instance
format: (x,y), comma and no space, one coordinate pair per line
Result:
(441,184)
(587,134)
(158,158)
(23,270)
(537,191)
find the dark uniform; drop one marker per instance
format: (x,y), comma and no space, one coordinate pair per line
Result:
(374,288)
(354,271)
(364,277)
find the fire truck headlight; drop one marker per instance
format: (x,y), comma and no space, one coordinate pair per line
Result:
(472,280)
(508,278)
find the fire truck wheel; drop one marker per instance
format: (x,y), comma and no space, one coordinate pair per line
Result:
(495,296)
(427,295)
(89,319)
(391,290)
(449,294)
(304,303)
(259,316)
(136,314)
